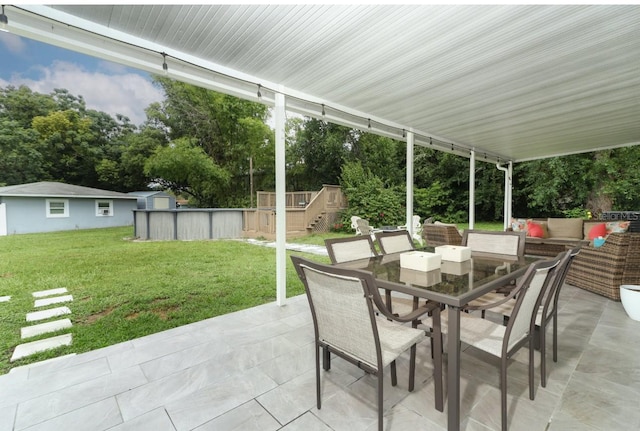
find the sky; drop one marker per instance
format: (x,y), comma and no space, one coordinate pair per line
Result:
(105,86)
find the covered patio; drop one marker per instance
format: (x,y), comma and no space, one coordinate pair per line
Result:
(254,370)
(494,84)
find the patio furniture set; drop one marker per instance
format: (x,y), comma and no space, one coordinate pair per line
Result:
(599,269)
(366,311)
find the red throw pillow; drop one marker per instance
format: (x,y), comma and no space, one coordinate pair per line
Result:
(598,230)
(534,230)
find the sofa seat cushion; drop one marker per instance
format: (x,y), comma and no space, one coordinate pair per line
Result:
(559,241)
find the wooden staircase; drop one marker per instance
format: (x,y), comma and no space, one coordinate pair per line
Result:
(319,223)
(307,212)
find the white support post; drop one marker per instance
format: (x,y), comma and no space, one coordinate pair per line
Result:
(509,203)
(281,211)
(508,187)
(410,143)
(472,189)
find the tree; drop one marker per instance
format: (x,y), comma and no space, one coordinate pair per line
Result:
(598,181)
(21,159)
(369,198)
(66,139)
(319,150)
(318,153)
(184,168)
(55,137)
(136,149)
(229,130)
(22,105)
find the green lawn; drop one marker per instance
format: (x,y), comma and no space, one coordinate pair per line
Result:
(124,289)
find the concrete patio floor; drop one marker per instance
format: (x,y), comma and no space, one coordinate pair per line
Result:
(254,370)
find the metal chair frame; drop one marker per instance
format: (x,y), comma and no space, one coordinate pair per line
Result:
(370,295)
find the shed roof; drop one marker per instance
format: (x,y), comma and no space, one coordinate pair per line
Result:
(147,193)
(53,189)
(512,82)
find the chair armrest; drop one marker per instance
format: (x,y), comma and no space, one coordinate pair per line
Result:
(512,294)
(419,310)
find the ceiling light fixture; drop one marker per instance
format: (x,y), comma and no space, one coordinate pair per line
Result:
(324,114)
(4,21)
(369,121)
(259,93)
(404,133)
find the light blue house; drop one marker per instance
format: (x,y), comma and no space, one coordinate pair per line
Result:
(51,206)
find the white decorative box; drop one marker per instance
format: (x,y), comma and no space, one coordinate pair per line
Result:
(420,278)
(454,253)
(420,260)
(456,268)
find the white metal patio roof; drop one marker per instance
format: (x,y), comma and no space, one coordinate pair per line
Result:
(513,82)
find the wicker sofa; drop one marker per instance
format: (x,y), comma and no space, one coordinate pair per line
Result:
(560,234)
(602,270)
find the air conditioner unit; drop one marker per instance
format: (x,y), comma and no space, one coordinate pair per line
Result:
(104,212)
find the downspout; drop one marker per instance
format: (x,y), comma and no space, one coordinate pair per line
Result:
(508,175)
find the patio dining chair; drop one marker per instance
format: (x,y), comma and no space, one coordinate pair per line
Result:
(350,248)
(494,242)
(547,311)
(403,307)
(397,242)
(504,341)
(353,248)
(343,304)
(394,242)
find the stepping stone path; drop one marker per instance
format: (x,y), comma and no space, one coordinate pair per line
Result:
(45,298)
(45,314)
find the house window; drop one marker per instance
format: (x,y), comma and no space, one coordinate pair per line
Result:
(104,208)
(57,208)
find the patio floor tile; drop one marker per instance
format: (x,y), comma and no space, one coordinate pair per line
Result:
(254,370)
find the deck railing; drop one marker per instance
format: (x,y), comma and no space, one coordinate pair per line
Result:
(306,211)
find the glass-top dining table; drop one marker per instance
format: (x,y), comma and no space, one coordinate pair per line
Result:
(454,284)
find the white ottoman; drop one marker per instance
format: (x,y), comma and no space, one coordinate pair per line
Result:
(630,297)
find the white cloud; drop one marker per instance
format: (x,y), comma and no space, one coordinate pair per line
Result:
(14,44)
(115,92)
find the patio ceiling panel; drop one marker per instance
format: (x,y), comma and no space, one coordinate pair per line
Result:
(516,82)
